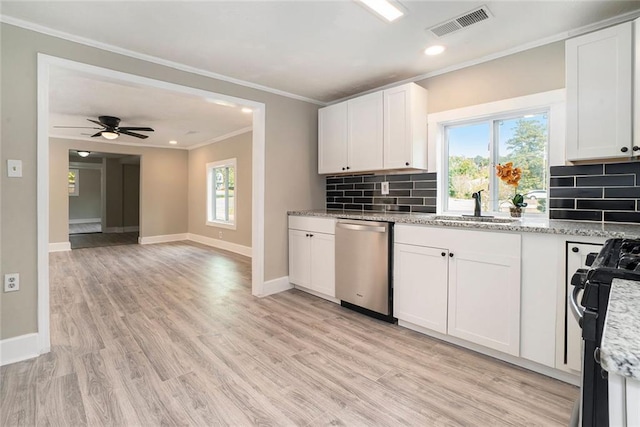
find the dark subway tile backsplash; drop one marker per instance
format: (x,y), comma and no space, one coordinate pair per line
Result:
(407,193)
(597,192)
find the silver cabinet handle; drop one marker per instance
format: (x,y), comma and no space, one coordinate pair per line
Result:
(361,227)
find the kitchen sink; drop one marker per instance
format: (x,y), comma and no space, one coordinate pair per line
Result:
(470,218)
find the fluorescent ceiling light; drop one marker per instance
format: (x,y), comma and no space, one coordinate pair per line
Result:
(173,142)
(384,9)
(83,153)
(434,50)
(109,135)
(247,110)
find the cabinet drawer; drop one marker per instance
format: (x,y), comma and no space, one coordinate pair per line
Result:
(494,242)
(309,223)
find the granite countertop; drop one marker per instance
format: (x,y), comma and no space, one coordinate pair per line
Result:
(532,225)
(620,348)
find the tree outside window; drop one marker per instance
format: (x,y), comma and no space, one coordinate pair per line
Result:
(221,193)
(475,148)
(73,180)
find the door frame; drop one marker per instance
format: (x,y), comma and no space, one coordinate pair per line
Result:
(44,64)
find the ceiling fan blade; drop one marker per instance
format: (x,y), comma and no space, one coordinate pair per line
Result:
(96,134)
(97,122)
(76,127)
(137,135)
(128,128)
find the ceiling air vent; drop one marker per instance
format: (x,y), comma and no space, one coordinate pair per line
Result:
(463,21)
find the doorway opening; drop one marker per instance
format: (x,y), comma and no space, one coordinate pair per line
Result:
(104,199)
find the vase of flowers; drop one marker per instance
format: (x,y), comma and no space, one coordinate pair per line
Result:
(511,176)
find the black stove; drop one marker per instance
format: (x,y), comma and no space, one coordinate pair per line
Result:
(618,259)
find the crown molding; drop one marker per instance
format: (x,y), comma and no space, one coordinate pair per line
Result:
(149,58)
(221,138)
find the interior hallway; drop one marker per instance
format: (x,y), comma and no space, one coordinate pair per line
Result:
(170,334)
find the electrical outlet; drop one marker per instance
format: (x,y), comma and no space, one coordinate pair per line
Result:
(220,234)
(384,188)
(11,282)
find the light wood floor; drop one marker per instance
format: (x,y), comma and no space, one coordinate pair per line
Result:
(96,240)
(169,334)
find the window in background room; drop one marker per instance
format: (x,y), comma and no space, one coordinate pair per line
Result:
(221,193)
(74,182)
(474,148)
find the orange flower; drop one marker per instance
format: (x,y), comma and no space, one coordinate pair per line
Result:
(508,174)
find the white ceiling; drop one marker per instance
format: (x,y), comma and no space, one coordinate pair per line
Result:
(322,50)
(317,50)
(75,97)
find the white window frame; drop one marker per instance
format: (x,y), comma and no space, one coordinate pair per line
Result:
(76,190)
(552,101)
(231,163)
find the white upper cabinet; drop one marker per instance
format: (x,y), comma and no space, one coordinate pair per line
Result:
(599,70)
(405,127)
(365,133)
(636,82)
(379,131)
(332,138)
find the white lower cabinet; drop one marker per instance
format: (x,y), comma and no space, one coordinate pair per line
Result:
(418,300)
(460,282)
(312,255)
(624,395)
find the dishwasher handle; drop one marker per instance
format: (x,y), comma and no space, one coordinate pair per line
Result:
(358,227)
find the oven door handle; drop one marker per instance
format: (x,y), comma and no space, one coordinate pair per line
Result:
(576,309)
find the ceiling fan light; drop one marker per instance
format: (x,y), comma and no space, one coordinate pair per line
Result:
(109,135)
(82,153)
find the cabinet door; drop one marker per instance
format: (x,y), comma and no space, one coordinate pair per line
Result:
(332,138)
(576,258)
(365,133)
(420,286)
(405,127)
(299,257)
(636,83)
(484,299)
(599,94)
(322,259)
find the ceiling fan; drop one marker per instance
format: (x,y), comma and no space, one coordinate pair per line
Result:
(110,128)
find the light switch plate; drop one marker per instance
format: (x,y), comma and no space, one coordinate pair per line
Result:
(14,168)
(384,188)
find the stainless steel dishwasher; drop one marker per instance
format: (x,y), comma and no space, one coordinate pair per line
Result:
(363,266)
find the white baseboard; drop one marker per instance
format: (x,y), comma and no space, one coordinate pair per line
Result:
(275,286)
(221,244)
(19,348)
(518,361)
(162,238)
(59,247)
(85,221)
(130,228)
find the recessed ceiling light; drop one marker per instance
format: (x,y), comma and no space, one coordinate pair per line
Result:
(383,8)
(173,142)
(247,110)
(83,153)
(434,50)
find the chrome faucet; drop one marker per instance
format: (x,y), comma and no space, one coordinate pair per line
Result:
(478,198)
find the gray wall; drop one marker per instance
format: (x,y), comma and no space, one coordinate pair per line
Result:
(163,197)
(239,147)
(88,203)
(131,195)
(291,179)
